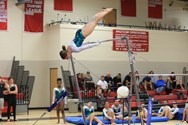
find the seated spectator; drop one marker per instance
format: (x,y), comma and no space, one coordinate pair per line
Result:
(80,81)
(143,113)
(99,94)
(109,80)
(170,112)
(103,84)
(180,89)
(160,110)
(160,85)
(108,113)
(137,78)
(173,79)
(117,81)
(89,81)
(90,115)
(147,83)
(168,87)
(185,112)
(153,80)
(127,80)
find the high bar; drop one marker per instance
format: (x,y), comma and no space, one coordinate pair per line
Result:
(161,74)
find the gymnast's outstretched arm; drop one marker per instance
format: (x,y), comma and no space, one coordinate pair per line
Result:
(87,46)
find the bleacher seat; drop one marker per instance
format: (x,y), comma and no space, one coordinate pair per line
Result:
(165,97)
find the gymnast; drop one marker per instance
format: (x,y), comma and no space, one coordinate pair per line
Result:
(90,114)
(77,44)
(56,95)
(185,112)
(170,112)
(108,113)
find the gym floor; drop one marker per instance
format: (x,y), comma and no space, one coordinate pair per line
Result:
(50,119)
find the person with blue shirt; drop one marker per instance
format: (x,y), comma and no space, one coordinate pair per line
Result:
(90,114)
(57,92)
(160,85)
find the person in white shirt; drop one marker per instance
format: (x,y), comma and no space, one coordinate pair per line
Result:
(170,112)
(108,113)
(57,92)
(103,84)
(77,44)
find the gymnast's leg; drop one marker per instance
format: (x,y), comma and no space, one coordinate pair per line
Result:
(62,110)
(89,27)
(58,113)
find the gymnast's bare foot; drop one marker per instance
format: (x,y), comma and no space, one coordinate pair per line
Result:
(108,9)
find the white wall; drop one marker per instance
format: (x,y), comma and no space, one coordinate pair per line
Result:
(39,51)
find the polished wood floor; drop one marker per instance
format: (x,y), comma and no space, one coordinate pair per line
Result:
(49,119)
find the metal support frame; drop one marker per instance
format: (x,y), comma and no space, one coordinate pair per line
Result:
(133,82)
(78,90)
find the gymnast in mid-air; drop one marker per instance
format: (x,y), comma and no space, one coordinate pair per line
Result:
(77,44)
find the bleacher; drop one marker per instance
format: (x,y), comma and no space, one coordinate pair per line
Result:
(25,84)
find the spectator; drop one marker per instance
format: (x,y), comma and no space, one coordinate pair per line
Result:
(160,85)
(185,112)
(144,113)
(99,93)
(90,114)
(169,87)
(137,78)
(180,89)
(109,80)
(127,79)
(153,79)
(108,113)
(89,81)
(173,79)
(13,90)
(117,81)
(170,112)
(103,84)
(80,81)
(147,83)
(3,87)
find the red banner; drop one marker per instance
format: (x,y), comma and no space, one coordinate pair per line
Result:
(155,9)
(128,8)
(138,40)
(3,15)
(34,12)
(65,5)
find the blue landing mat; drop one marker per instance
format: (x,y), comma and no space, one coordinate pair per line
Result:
(79,120)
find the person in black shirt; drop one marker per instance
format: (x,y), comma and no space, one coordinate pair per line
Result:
(109,80)
(127,79)
(180,90)
(117,81)
(13,90)
(147,83)
(173,79)
(3,91)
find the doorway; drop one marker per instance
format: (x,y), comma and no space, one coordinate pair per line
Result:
(53,82)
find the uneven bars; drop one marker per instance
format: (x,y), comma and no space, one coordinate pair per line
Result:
(119,38)
(161,74)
